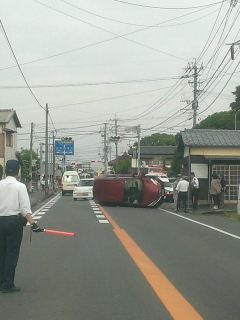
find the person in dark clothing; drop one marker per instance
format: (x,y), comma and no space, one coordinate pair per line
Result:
(223,190)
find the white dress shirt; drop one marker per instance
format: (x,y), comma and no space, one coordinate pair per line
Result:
(14,198)
(182,186)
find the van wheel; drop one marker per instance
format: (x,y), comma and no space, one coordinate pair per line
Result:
(74,199)
(63,193)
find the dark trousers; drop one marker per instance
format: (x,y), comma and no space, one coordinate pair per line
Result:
(195,193)
(216,199)
(182,197)
(11,234)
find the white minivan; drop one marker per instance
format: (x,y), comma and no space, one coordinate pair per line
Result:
(70,180)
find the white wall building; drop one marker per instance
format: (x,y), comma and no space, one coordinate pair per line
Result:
(9,123)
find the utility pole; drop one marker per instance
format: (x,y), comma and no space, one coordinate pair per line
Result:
(105,148)
(116,143)
(195,83)
(53,157)
(46,153)
(30,161)
(139,147)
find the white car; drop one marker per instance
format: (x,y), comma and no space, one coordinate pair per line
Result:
(84,190)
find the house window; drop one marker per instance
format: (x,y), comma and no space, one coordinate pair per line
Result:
(9,139)
(232,176)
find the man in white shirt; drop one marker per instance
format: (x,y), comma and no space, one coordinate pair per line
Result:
(182,189)
(15,212)
(194,190)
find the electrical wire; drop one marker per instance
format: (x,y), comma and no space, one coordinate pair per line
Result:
(89,84)
(141,25)
(203,50)
(15,58)
(166,8)
(110,32)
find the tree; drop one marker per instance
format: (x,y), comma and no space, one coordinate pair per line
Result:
(176,164)
(158,139)
(235,106)
(220,120)
(25,155)
(123,166)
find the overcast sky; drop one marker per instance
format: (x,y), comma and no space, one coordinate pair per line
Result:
(96,60)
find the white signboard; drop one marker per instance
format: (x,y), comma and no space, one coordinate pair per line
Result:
(200,170)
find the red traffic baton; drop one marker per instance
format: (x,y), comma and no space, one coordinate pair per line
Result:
(59,232)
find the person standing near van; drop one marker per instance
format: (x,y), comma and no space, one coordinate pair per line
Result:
(15,211)
(175,192)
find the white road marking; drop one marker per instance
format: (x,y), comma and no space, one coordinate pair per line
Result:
(100,216)
(37,217)
(41,212)
(203,224)
(103,221)
(44,206)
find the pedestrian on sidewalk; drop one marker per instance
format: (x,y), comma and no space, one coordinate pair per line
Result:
(223,190)
(194,190)
(182,189)
(15,212)
(215,190)
(175,192)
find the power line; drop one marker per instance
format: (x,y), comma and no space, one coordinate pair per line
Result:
(90,83)
(141,25)
(25,80)
(166,8)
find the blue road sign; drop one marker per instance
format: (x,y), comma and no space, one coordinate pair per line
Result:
(64,148)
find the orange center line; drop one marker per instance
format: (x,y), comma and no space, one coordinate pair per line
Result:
(175,303)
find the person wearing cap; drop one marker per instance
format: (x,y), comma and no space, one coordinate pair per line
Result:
(182,189)
(15,212)
(194,190)
(175,192)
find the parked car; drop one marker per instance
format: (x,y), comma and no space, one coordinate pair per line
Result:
(84,190)
(172,180)
(128,190)
(168,188)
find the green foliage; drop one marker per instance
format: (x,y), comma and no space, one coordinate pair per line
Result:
(25,155)
(176,164)
(123,166)
(220,120)
(1,172)
(235,106)
(158,139)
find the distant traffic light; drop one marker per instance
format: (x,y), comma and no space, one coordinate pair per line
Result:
(95,161)
(66,139)
(114,138)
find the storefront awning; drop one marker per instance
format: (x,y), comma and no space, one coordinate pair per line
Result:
(223,157)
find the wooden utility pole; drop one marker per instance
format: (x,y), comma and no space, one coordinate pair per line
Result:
(46,153)
(30,160)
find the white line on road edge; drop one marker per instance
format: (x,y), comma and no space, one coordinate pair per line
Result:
(202,224)
(36,212)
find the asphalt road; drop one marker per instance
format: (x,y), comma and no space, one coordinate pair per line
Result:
(126,263)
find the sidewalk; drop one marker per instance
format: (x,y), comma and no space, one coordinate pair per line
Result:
(206,209)
(37,197)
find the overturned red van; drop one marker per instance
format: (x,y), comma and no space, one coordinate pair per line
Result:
(128,190)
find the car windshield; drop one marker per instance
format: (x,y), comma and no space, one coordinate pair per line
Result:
(86,183)
(167,184)
(69,178)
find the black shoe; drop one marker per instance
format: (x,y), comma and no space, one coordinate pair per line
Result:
(11,290)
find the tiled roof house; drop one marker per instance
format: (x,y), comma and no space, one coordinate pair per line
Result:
(208,151)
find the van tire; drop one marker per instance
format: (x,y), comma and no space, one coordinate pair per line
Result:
(63,193)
